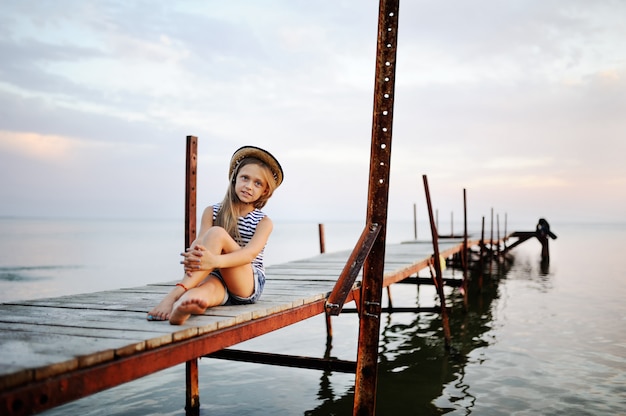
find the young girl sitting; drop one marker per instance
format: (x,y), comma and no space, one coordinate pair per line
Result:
(224,265)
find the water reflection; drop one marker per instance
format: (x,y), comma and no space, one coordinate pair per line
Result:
(416,374)
(544,266)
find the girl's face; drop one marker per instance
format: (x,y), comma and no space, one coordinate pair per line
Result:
(250,184)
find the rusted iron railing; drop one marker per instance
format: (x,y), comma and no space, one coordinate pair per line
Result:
(348,276)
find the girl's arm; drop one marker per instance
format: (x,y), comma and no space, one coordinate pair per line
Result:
(248,252)
(244,255)
(205,223)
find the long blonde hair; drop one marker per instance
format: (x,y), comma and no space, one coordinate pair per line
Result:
(228,214)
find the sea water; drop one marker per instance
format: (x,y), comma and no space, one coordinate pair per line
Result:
(537,338)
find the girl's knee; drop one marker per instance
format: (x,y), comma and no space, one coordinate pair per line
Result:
(218,237)
(215,232)
(212,290)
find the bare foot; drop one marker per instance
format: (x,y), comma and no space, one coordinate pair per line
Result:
(185,308)
(162,311)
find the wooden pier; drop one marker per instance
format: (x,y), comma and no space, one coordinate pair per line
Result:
(60,349)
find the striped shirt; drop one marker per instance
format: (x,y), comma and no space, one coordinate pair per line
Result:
(247,227)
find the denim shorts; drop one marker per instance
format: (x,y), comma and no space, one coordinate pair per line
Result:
(230,299)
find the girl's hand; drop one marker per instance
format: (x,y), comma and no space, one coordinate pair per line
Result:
(198,258)
(192,258)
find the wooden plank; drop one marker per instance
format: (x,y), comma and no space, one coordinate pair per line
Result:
(68,334)
(53,353)
(109,300)
(76,384)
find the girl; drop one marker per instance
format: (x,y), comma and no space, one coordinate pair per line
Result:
(224,265)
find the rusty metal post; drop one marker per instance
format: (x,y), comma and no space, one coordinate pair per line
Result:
(190,189)
(192,400)
(542,233)
(481,264)
(415,220)
(498,232)
(491,247)
(437,264)
(465,254)
(465,257)
(322,237)
(506,219)
(377,206)
(545,247)
(451,224)
(329,324)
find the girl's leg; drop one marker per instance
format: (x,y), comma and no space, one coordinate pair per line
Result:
(211,292)
(196,300)
(240,279)
(163,310)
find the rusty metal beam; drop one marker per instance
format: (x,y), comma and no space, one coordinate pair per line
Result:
(404,309)
(437,265)
(286,360)
(378,195)
(348,276)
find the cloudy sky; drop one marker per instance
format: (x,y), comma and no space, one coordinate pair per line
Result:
(521,103)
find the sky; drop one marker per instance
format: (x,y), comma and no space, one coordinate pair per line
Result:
(522,104)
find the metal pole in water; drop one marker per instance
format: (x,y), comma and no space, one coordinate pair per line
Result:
(437,266)
(378,196)
(192,400)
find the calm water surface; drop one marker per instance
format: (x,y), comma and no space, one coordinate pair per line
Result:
(547,340)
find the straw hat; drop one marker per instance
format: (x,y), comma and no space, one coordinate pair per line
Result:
(257,153)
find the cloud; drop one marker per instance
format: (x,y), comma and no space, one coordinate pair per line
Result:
(520,102)
(55,149)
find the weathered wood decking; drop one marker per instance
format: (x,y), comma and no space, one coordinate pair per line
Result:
(60,349)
